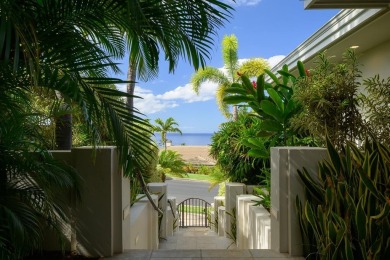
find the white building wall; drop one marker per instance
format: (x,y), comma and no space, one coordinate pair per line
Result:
(376,61)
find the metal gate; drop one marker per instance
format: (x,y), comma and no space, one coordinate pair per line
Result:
(194,212)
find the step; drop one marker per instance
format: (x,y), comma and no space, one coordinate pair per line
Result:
(210,254)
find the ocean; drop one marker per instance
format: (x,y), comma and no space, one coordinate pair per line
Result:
(195,139)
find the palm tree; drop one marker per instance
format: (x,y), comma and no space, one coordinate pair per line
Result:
(32,183)
(170,162)
(250,68)
(165,127)
(68,47)
(182,29)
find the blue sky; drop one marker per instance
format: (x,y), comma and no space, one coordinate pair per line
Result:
(269,29)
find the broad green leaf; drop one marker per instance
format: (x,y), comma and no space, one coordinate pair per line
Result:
(276,98)
(260,87)
(383,214)
(361,219)
(233,100)
(271,109)
(256,141)
(371,187)
(285,79)
(248,85)
(258,153)
(312,186)
(333,155)
(234,90)
(268,85)
(271,126)
(265,134)
(272,76)
(348,249)
(290,109)
(310,215)
(236,85)
(286,74)
(332,231)
(301,69)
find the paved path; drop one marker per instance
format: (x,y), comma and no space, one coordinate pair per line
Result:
(183,189)
(196,238)
(201,243)
(209,254)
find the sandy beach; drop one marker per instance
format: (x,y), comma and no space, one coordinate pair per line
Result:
(194,154)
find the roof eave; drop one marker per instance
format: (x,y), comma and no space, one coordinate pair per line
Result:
(351,4)
(335,30)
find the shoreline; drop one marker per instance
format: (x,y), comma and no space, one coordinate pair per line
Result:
(194,154)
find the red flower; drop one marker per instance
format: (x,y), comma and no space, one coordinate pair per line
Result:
(254,84)
(307,72)
(239,74)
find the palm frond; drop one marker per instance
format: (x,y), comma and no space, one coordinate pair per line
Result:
(183,29)
(208,74)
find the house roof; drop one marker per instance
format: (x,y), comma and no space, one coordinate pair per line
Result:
(344,4)
(365,28)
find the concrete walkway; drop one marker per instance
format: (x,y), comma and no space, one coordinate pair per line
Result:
(196,238)
(200,243)
(206,254)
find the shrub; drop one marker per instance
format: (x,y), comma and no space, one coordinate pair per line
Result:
(189,168)
(170,162)
(205,170)
(229,150)
(346,215)
(376,107)
(328,97)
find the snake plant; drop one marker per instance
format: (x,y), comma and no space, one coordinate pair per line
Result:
(346,214)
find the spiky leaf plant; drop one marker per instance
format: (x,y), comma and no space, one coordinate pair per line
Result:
(347,212)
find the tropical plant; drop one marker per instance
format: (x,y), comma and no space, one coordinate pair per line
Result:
(66,48)
(271,103)
(32,183)
(263,192)
(170,162)
(375,106)
(346,214)
(329,101)
(170,125)
(230,151)
(250,68)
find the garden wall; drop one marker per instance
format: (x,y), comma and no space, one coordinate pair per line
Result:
(144,225)
(102,218)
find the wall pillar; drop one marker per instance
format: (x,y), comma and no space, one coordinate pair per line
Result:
(218,201)
(243,203)
(286,185)
(160,189)
(257,238)
(221,221)
(232,190)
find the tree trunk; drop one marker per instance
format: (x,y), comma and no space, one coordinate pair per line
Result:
(164,140)
(235,113)
(131,76)
(64,132)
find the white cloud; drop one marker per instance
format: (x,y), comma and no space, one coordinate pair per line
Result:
(272,61)
(243,2)
(152,103)
(187,94)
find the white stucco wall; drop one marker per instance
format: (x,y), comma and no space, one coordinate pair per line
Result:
(376,61)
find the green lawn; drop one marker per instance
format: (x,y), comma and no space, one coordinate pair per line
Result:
(194,209)
(193,176)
